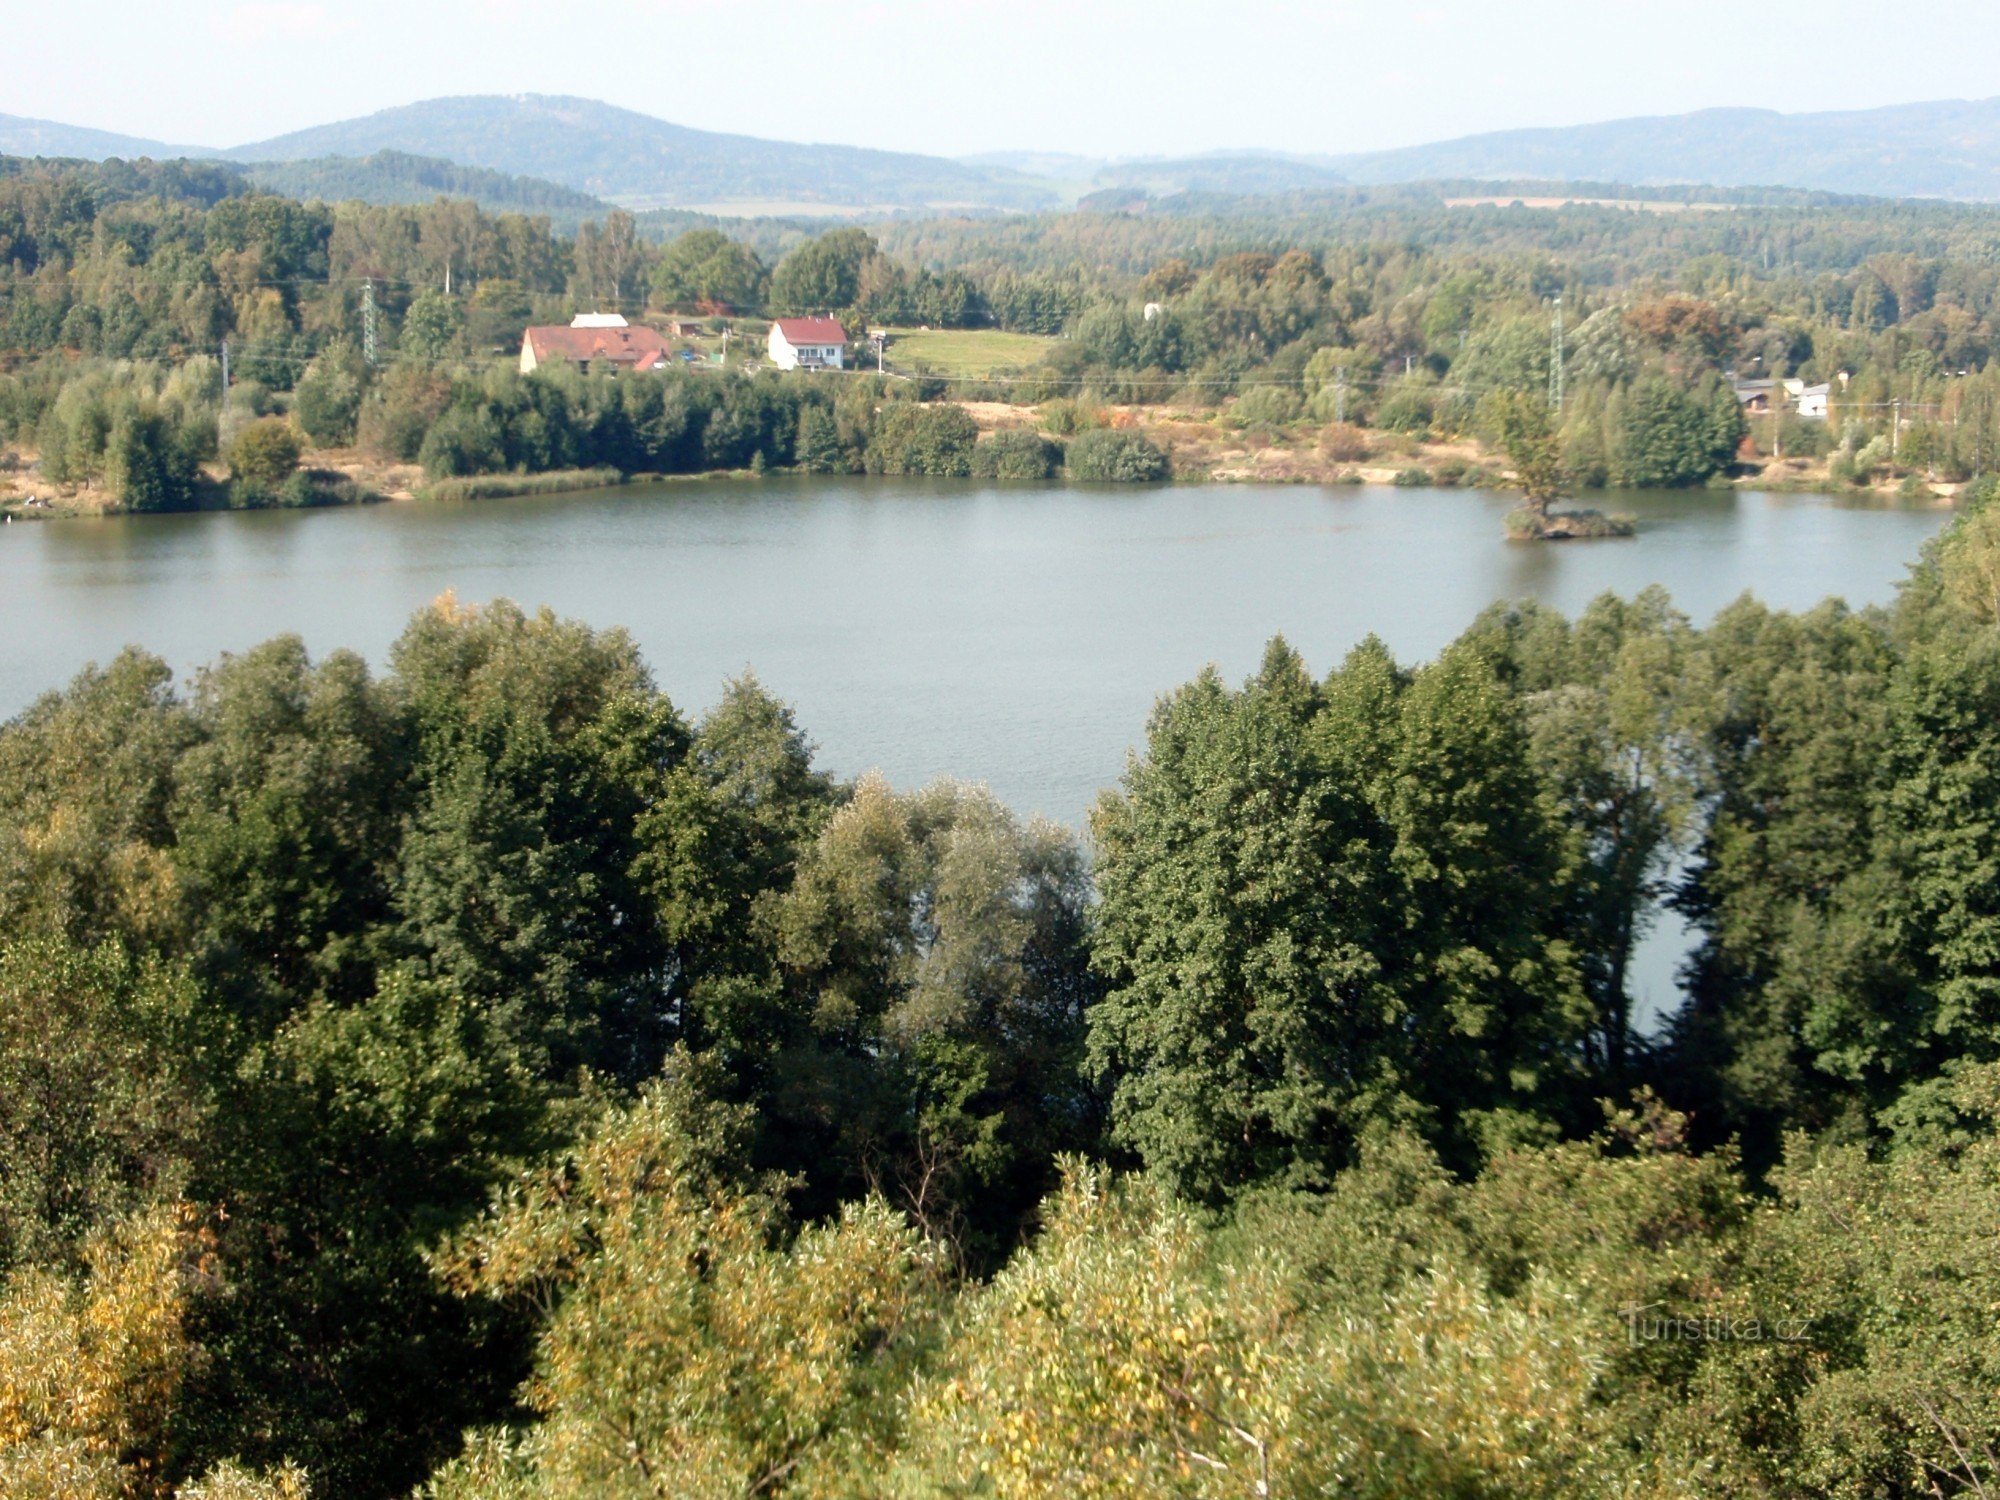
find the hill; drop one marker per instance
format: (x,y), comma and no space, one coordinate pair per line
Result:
(632,158)
(24,137)
(1943,149)
(398,177)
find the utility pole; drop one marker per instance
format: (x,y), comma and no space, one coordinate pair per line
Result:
(1340,394)
(225,366)
(368,321)
(1556,359)
(1895,428)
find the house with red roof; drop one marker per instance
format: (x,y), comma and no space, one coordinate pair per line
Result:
(600,340)
(808,344)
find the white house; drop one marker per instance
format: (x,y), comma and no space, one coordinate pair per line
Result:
(808,344)
(1812,401)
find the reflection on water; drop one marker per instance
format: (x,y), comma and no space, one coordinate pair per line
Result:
(1015,636)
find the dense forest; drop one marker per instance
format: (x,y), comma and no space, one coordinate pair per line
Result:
(478,1078)
(121,284)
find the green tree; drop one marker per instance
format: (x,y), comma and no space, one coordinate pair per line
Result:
(326,403)
(1671,437)
(1526,431)
(431,328)
(264,454)
(691,1349)
(1245,1033)
(706,269)
(934,950)
(823,274)
(148,463)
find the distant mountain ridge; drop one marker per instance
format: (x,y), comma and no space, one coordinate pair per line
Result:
(25,137)
(1941,149)
(621,155)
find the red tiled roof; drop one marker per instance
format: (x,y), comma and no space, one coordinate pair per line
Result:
(799,331)
(641,348)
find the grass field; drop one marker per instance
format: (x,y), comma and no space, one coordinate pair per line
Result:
(961,351)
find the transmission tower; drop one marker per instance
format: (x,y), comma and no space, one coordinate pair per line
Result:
(368,321)
(1556,358)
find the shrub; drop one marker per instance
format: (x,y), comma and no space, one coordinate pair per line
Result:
(1407,410)
(1116,457)
(1269,405)
(912,438)
(465,440)
(264,453)
(1018,454)
(1065,418)
(1343,443)
(1412,479)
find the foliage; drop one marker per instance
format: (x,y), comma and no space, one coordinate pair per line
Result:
(921,438)
(1017,454)
(1106,455)
(475,1076)
(264,454)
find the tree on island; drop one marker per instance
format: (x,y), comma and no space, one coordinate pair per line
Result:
(1526,430)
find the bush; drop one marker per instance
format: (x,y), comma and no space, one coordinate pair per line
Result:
(1343,443)
(1116,457)
(399,411)
(306,489)
(1017,455)
(1526,524)
(264,453)
(1267,405)
(465,440)
(1412,479)
(1407,410)
(1065,418)
(912,438)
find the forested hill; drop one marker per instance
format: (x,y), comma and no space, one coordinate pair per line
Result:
(617,153)
(1944,149)
(391,177)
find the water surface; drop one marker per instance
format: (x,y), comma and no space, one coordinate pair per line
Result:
(1015,636)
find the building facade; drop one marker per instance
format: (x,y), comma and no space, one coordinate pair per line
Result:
(808,344)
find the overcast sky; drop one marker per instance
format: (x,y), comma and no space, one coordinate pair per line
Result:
(1097,77)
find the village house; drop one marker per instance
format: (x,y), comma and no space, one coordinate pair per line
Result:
(808,344)
(1756,396)
(604,340)
(1811,401)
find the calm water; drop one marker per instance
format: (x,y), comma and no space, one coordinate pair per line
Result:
(1016,636)
(1012,636)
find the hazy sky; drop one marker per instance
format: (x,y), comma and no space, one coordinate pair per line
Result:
(958,76)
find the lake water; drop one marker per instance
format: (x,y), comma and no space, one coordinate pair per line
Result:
(1016,636)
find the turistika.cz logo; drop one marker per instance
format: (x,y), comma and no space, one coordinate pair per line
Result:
(1644,1325)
